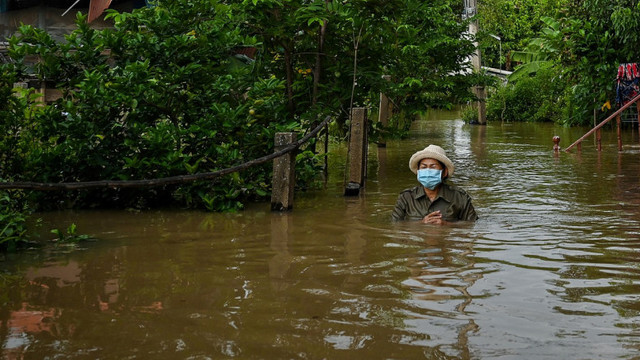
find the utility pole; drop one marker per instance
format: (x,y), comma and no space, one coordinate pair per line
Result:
(470,10)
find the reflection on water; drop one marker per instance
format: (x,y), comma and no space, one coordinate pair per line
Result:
(549,271)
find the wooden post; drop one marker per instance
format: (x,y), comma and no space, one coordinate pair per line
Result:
(357,152)
(471,8)
(598,136)
(638,108)
(42,91)
(481,105)
(595,119)
(283,174)
(384,113)
(51,95)
(619,132)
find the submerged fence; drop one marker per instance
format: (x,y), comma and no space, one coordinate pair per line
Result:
(28,185)
(283,174)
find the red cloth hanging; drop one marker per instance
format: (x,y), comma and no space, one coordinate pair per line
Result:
(628,80)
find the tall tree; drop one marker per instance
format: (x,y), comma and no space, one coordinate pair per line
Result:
(162,94)
(596,36)
(321,46)
(515,22)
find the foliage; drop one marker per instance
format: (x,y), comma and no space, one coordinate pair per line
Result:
(536,98)
(588,40)
(533,39)
(469,115)
(155,97)
(13,217)
(164,92)
(333,54)
(308,166)
(599,35)
(13,210)
(540,53)
(71,235)
(516,22)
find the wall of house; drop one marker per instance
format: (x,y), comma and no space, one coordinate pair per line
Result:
(49,16)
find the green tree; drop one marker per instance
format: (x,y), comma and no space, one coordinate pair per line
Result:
(536,90)
(163,94)
(516,22)
(535,98)
(599,35)
(332,54)
(156,96)
(587,41)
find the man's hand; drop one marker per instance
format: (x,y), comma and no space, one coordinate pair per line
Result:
(434,218)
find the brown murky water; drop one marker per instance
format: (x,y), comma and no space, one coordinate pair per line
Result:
(550,271)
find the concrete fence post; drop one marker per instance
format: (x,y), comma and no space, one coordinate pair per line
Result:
(284,177)
(357,152)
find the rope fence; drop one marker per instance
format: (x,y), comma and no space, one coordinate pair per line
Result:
(180,179)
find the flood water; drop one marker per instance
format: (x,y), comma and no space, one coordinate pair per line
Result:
(550,271)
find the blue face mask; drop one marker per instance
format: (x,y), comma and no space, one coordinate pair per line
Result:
(430,178)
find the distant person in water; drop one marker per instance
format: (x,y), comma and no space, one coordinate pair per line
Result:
(433,201)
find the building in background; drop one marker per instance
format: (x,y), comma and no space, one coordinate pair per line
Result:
(52,15)
(57,17)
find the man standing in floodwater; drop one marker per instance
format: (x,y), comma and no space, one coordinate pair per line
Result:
(433,201)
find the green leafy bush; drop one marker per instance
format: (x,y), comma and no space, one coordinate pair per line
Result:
(13,217)
(533,98)
(71,236)
(163,102)
(165,93)
(469,115)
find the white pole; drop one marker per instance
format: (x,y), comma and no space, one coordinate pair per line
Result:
(74,4)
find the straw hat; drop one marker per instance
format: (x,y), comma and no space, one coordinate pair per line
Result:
(432,152)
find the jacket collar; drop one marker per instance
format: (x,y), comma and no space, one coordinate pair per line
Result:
(443,192)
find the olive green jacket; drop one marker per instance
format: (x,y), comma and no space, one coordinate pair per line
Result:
(454,204)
